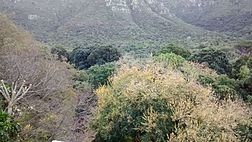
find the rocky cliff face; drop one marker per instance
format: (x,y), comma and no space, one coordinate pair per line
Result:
(130,19)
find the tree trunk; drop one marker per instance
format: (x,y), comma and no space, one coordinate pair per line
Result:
(9,109)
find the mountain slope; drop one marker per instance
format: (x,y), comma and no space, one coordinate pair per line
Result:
(127,20)
(100,20)
(230,16)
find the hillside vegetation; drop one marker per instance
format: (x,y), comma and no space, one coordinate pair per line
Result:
(102,21)
(125,71)
(40,113)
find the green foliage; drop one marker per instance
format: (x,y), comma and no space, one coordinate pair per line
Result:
(79,56)
(247,87)
(99,74)
(242,67)
(173,48)
(242,71)
(170,59)
(84,58)
(126,117)
(206,80)
(9,129)
(224,87)
(153,103)
(216,59)
(245,131)
(61,52)
(95,76)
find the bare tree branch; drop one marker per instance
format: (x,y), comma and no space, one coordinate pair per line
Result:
(11,96)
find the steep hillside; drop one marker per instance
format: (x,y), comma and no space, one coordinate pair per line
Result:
(230,16)
(127,20)
(98,20)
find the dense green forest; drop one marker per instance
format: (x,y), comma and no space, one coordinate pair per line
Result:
(176,80)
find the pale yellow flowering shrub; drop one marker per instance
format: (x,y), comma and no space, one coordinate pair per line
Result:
(155,103)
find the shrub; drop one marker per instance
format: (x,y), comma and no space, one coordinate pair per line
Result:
(99,74)
(216,59)
(242,67)
(242,70)
(9,129)
(173,48)
(84,58)
(223,86)
(170,59)
(61,52)
(245,131)
(153,103)
(247,87)
(245,47)
(95,76)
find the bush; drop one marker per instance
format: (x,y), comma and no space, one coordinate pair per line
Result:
(99,74)
(153,103)
(9,129)
(223,86)
(245,131)
(170,59)
(242,71)
(95,76)
(247,87)
(84,58)
(172,48)
(215,59)
(242,67)
(61,52)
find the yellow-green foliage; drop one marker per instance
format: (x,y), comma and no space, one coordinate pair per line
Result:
(153,103)
(170,59)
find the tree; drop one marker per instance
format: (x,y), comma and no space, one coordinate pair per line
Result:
(36,66)
(98,74)
(61,53)
(13,94)
(84,58)
(23,58)
(153,103)
(79,56)
(173,48)
(216,59)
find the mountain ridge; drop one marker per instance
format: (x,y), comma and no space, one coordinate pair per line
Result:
(114,20)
